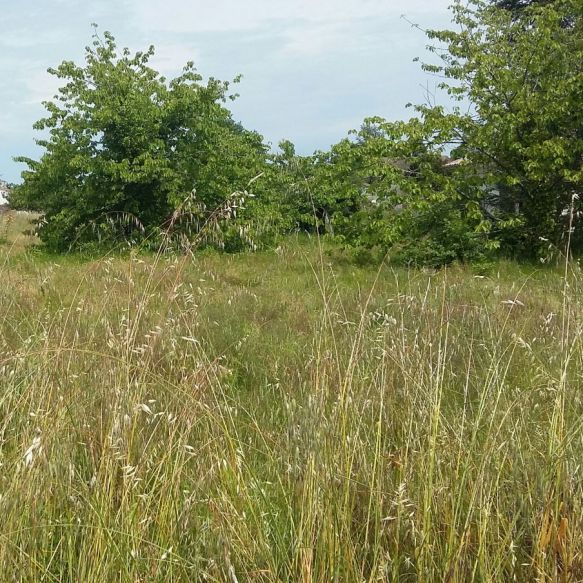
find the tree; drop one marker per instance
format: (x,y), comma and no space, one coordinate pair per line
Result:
(515,132)
(288,185)
(126,148)
(310,192)
(522,74)
(404,197)
(516,5)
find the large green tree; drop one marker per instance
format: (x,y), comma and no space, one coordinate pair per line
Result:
(514,131)
(391,188)
(519,76)
(124,148)
(523,76)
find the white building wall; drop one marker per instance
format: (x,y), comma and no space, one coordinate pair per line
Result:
(3,194)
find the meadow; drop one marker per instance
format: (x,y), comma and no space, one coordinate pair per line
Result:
(287,416)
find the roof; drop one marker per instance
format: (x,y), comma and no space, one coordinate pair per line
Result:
(456,162)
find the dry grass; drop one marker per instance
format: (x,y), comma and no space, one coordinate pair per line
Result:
(273,417)
(15,227)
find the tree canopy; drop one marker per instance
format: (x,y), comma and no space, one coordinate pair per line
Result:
(523,77)
(515,130)
(125,148)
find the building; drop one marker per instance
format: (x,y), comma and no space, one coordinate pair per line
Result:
(4,192)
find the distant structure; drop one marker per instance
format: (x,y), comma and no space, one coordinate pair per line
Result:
(4,192)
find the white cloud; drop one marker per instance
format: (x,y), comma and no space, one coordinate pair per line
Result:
(169,59)
(9,126)
(15,39)
(41,86)
(180,16)
(316,38)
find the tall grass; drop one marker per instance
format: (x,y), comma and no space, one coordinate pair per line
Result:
(287,417)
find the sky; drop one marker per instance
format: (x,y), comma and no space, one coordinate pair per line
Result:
(312,69)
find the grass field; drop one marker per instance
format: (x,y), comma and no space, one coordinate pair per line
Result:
(287,416)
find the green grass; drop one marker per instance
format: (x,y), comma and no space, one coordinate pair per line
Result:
(287,417)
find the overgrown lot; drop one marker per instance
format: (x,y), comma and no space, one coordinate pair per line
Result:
(287,416)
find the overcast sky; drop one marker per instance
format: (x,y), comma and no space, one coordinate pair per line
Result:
(312,69)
